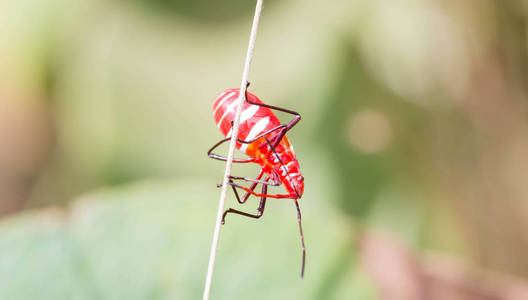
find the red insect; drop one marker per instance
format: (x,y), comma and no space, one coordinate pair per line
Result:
(263,139)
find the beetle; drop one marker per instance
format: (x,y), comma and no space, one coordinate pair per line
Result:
(263,139)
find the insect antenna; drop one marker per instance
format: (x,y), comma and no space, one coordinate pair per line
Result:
(302,237)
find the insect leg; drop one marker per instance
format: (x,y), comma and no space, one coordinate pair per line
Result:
(253,186)
(290,124)
(218,157)
(274,183)
(302,237)
(260,209)
(237,160)
(277,196)
(262,135)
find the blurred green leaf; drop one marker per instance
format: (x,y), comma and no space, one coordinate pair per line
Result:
(151,241)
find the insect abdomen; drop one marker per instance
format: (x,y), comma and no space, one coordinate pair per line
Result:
(254,120)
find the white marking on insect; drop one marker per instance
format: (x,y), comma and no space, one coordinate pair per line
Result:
(255,130)
(221,94)
(228,110)
(248,113)
(222,102)
(284,170)
(275,157)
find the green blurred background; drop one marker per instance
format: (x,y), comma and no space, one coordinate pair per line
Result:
(413,143)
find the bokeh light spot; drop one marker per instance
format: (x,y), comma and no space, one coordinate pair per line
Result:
(369,131)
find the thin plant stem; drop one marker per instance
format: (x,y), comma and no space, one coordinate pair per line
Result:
(221,204)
